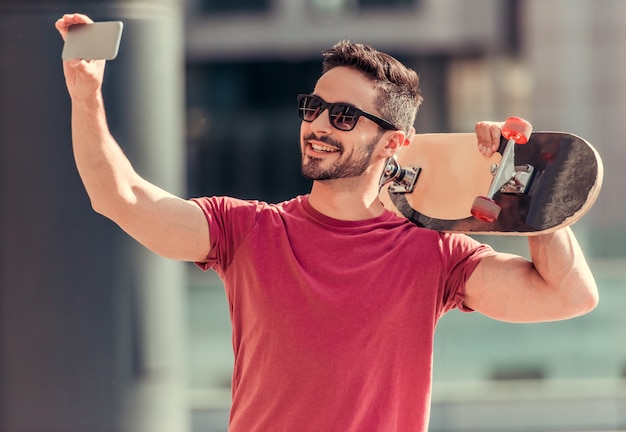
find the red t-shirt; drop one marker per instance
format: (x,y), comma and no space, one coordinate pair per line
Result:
(333,321)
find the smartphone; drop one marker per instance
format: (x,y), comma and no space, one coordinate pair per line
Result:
(97,41)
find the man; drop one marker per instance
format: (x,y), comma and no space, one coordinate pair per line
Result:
(333,298)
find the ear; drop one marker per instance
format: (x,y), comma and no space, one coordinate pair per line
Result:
(397,140)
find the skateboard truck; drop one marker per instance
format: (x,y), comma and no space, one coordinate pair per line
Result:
(520,181)
(507,178)
(403,178)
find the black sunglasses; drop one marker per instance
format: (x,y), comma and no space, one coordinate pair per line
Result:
(342,116)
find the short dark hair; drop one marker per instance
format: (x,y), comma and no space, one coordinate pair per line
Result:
(399,96)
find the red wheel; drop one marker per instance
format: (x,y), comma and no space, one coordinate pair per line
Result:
(517,129)
(485,209)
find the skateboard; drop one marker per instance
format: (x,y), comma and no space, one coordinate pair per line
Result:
(534,184)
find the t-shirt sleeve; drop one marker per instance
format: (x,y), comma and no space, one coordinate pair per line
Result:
(229,220)
(460,256)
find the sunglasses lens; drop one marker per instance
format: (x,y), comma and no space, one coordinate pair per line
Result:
(343,117)
(310,108)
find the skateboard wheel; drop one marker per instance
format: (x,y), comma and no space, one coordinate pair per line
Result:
(485,209)
(517,129)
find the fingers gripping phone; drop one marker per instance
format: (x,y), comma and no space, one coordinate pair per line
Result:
(96,41)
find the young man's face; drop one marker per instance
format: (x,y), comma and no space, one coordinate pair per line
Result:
(329,153)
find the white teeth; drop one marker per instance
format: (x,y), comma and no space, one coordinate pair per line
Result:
(320,148)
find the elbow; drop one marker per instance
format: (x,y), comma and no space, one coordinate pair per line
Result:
(101,207)
(112,208)
(586,300)
(592,301)
(98,207)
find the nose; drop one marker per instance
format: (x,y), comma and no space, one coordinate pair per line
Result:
(322,123)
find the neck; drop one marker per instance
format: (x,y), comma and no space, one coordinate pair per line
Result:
(346,199)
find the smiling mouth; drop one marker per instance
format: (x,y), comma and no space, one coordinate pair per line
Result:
(321,148)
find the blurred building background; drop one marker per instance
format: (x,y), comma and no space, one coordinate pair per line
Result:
(559,63)
(97,334)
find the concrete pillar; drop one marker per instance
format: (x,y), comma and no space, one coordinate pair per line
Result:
(91,324)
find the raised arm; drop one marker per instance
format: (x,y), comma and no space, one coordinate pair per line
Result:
(555,284)
(168,225)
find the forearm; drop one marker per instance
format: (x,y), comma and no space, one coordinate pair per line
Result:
(104,169)
(560,262)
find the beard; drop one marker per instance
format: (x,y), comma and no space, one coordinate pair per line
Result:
(347,166)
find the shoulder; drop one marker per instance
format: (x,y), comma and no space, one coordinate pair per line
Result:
(448,250)
(222,205)
(237,208)
(457,247)
(451,242)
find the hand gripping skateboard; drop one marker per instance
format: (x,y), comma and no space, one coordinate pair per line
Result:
(535,183)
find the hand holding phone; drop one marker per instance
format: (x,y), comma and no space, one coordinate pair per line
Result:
(93,41)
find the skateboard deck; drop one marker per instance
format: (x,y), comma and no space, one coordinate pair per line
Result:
(450,172)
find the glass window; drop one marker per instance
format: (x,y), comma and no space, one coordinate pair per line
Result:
(243,128)
(386,4)
(207,6)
